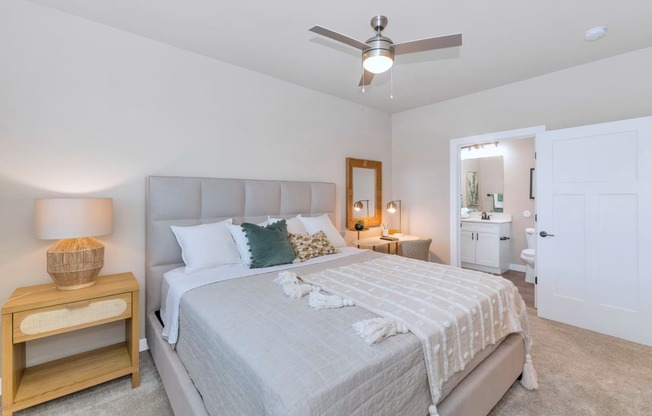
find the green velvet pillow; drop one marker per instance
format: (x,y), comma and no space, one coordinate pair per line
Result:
(269,245)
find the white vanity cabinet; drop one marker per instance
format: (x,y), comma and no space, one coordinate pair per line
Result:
(485,245)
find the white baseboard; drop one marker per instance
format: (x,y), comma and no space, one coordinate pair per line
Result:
(517,267)
(142,346)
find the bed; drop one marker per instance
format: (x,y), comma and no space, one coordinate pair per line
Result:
(244,348)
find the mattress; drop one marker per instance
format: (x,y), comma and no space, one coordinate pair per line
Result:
(251,350)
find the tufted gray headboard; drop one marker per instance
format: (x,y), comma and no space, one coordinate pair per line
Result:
(191,201)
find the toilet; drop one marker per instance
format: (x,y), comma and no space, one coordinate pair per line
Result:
(528,256)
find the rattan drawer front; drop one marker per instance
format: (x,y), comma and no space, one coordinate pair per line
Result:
(43,322)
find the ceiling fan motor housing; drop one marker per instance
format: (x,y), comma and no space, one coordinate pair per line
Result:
(379,45)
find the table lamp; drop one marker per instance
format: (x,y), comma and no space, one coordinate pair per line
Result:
(75,261)
(392,207)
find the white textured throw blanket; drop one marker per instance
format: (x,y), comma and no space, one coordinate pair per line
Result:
(454,312)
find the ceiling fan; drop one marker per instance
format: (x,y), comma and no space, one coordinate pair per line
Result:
(378,52)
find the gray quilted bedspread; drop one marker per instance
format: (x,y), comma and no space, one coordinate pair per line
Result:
(251,350)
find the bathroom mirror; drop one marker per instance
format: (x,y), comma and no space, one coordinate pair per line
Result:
(482,181)
(363,192)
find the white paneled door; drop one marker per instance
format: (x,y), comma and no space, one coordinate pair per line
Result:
(594,227)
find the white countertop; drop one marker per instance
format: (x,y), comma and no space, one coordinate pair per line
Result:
(496,218)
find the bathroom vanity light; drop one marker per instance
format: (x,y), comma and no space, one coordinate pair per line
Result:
(479,150)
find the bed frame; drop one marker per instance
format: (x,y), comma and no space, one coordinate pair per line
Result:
(191,201)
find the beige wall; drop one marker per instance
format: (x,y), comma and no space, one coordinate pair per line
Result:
(89,110)
(616,88)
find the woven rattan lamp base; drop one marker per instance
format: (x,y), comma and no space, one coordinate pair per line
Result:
(75,263)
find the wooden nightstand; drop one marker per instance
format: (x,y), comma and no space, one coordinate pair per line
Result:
(41,311)
(374,242)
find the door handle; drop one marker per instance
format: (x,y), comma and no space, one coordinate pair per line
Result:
(545,234)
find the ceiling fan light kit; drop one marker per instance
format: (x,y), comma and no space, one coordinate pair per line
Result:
(378,61)
(379,51)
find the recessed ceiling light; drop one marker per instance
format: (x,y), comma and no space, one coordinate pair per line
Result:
(595,33)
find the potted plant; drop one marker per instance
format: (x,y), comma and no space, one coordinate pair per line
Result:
(359,225)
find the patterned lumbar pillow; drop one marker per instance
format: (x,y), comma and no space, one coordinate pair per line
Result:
(309,246)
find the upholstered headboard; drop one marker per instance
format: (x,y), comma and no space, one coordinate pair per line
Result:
(191,201)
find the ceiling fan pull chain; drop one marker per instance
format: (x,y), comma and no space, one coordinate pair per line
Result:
(363,71)
(391,83)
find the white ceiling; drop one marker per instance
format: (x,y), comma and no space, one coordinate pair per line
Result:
(504,40)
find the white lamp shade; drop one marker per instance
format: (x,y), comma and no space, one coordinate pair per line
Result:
(59,218)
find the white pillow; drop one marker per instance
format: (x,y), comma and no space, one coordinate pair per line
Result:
(294,225)
(206,245)
(323,223)
(241,242)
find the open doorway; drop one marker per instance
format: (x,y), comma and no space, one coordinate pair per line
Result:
(490,175)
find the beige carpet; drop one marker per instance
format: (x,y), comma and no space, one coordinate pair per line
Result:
(580,373)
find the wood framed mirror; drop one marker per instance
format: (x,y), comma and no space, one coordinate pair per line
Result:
(364,192)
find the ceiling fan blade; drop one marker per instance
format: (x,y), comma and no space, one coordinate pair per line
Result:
(366,78)
(429,44)
(338,37)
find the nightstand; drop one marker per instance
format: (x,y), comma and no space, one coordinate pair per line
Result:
(374,242)
(40,311)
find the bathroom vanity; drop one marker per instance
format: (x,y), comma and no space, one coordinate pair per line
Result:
(485,245)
